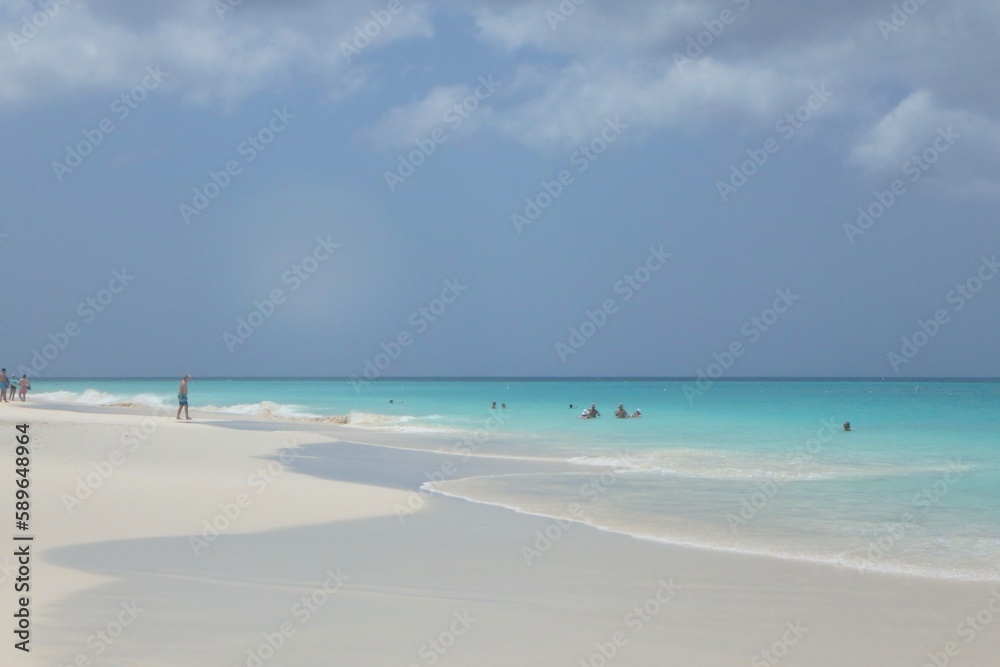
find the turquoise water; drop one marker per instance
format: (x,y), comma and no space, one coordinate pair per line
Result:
(754,466)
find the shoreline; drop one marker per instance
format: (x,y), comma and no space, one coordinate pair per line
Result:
(430,443)
(832,562)
(327,527)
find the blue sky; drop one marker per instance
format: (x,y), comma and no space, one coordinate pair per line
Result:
(500,188)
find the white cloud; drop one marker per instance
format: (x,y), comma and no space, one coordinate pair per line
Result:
(569,105)
(403,125)
(954,149)
(898,134)
(561,26)
(607,60)
(212,60)
(565,77)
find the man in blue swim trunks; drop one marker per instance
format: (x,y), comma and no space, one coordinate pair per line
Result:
(4,384)
(182,398)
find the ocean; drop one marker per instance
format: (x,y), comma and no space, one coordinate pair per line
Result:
(754,466)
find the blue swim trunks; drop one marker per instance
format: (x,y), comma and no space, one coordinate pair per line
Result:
(182,399)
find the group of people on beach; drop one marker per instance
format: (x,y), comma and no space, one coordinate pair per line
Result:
(11,385)
(593,413)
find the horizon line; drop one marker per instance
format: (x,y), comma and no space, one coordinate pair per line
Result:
(537,378)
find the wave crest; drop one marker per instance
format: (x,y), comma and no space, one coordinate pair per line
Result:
(699,464)
(96,398)
(260,410)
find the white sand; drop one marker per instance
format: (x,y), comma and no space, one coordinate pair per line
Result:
(325,570)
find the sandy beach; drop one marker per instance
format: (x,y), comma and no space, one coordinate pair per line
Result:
(259,542)
(513,333)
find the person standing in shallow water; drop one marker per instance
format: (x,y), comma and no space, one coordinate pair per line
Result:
(4,384)
(182,398)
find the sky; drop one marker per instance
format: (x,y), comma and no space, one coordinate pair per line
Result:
(727,188)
